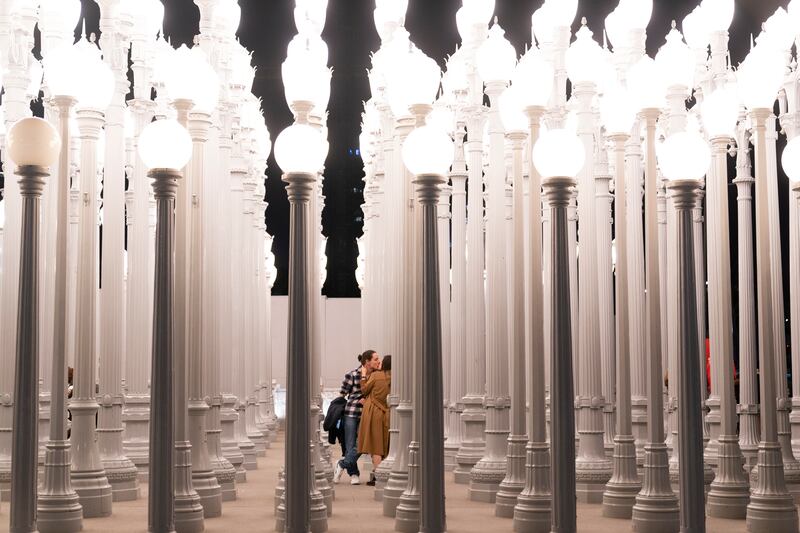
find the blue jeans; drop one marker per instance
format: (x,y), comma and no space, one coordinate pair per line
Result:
(350,460)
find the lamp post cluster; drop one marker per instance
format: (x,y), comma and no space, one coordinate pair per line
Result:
(149,197)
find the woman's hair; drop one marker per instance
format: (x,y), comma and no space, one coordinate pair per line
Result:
(386,364)
(366,357)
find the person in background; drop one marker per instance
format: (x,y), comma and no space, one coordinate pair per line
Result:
(373,433)
(351,389)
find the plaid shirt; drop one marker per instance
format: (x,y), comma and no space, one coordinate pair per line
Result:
(351,388)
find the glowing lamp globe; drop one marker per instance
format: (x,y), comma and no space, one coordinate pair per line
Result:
(684,156)
(720,14)
(456,77)
(675,61)
(59,15)
(720,110)
(780,30)
(390,11)
(59,72)
(427,151)
(470,27)
(165,144)
(635,13)
(148,16)
(790,160)
(227,16)
(33,141)
(263,142)
(299,150)
(760,77)
(616,31)
(617,112)
(442,117)
(207,89)
(242,72)
(584,58)
(481,10)
(496,57)
(696,29)
(95,86)
(558,153)
(646,84)
(534,77)
(189,76)
(309,16)
(414,79)
(542,24)
(563,12)
(511,110)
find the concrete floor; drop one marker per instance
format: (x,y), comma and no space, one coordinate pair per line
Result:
(354,510)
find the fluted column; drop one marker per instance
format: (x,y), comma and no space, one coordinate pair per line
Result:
(88,476)
(473,441)
(443,251)
(487,474)
(730,490)
(771,506)
(204,479)
(514,480)
(656,507)
(458,315)
(139,302)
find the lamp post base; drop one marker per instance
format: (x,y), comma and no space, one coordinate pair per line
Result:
(771,508)
(514,482)
(58,509)
(407,515)
(532,514)
(473,445)
(656,511)
(621,490)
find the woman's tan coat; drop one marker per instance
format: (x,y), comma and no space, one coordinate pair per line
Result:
(373,432)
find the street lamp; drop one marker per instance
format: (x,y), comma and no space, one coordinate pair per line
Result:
(165,147)
(533,77)
(730,490)
(684,159)
(618,115)
(299,153)
(428,155)
(771,506)
(58,508)
(33,145)
(94,92)
(559,156)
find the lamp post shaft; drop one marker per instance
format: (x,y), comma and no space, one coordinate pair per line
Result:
(161,502)
(24,452)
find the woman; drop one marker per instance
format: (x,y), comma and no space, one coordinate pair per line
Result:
(373,434)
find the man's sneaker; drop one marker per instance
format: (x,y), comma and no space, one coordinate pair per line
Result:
(337,472)
(355,480)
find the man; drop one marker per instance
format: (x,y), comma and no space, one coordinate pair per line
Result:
(351,389)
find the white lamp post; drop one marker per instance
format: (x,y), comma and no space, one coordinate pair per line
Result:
(534,78)
(58,507)
(428,154)
(619,497)
(656,505)
(684,159)
(496,59)
(515,124)
(298,150)
(559,157)
(88,476)
(165,147)
(730,490)
(771,506)
(584,60)
(33,145)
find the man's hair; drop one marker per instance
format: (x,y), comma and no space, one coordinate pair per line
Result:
(366,357)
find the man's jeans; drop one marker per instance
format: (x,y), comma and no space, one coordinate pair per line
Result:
(350,460)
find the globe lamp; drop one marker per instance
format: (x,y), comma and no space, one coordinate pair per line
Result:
(696,28)
(33,141)
(790,160)
(720,110)
(428,151)
(299,149)
(95,86)
(759,77)
(148,16)
(684,156)
(165,144)
(558,153)
(617,111)
(511,110)
(496,57)
(646,84)
(584,57)
(481,11)
(676,62)
(719,14)
(534,77)
(59,72)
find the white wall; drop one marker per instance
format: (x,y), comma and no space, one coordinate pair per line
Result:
(342,330)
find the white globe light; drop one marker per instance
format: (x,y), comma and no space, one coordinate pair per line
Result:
(227,16)
(148,16)
(189,76)
(59,16)
(616,31)
(696,28)
(759,77)
(428,150)
(306,76)
(676,62)
(442,117)
(96,80)
(543,24)
(496,57)
(563,11)
(511,110)
(482,10)
(584,58)
(720,13)
(558,153)
(309,16)
(617,111)
(165,144)
(790,160)
(534,77)
(33,141)
(456,77)
(720,110)
(59,71)
(389,13)
(242,72)
(780,30)
(263,142)
(299,149)
(684,156)
(636,13)
(646,84)
(207,81)
(413,79)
